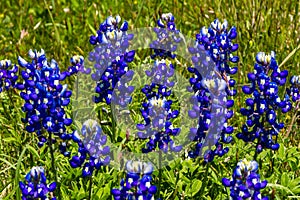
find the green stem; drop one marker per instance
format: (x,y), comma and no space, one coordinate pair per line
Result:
(292,121)
(255,154)
(273,162)
(90,187)
(204,180)
(53,164)
(159,172)
(176,182)
(57,37)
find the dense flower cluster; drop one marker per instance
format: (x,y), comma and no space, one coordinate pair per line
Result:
(8,77)
(217,40)
(92,152)
(156,111)
(137,184)
(45,97)
(110,56)
(167,37)
(262,123)
(293,91)
(210,107)
(245,182)
(160,73)
(213,45)
(122,93)
(35,185)
(157,114)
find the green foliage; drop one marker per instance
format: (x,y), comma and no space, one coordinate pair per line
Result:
(63,28)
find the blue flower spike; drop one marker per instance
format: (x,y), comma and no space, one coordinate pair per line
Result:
(213,45)
(168,37)
(157,112)
(245,182)
(137,184)
(111,57)
(45,97)
(262,125)
(92,149)
(158,116)
(293,90)
(8,75)
(77,65)
(35,185)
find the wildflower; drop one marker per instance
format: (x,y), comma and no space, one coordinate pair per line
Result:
(156,111)
(245,182)
(167,37)
(293,91)
(210,106)
(35,185)
(217,40)
(110,56)
(8,77)
(92,152)
(137,184)
(45,97)
(123,91)
(107,81)
(77,66)
(160,73)
(158,115)
(212,54)
(261,111)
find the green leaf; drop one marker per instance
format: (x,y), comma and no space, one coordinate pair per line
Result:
(10,139)
(284,179)
(294,183)
(92,29)
(196,186)
(281,152)
(185,179)
(17,178)
(273,185)
(33,151)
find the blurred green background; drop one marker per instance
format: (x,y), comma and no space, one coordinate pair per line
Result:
(63,27)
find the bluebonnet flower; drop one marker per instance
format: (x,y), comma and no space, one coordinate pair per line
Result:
(158,115)
(167,37)
(261,111)
(112,34)
(213,45)
(77,65)
(110,56)
(160,73)
(8,77)
(217,40)
(122,93)
(293,91)
(245,182)
(45,97)
(35,185)
(210,106)
(92,152)
(157,112)
(137,184)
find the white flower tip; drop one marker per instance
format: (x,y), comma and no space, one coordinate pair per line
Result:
(22,61)
(31,54)
(118,19)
